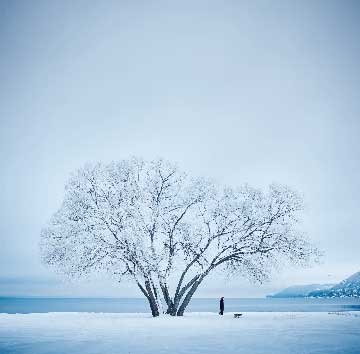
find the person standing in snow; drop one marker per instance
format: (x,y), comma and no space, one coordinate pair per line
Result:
(221,306)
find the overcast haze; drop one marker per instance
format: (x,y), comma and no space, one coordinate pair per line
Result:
(255,92)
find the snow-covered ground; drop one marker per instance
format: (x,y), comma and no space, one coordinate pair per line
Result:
(254,333)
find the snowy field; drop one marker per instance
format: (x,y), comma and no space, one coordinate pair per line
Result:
(254,333)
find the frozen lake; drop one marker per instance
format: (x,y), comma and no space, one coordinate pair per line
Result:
(123,305)
(254,333)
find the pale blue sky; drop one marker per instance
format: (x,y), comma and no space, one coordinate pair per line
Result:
(256,92)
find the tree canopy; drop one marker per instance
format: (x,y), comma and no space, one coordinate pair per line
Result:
(166,231)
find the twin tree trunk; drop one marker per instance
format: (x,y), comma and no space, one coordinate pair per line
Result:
(175,306)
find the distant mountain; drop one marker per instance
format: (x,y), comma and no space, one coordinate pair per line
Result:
(349,287)
(301,290)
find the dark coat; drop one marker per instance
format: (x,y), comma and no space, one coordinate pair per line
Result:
(221,304)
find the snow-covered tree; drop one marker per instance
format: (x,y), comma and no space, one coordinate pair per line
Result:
(165,231)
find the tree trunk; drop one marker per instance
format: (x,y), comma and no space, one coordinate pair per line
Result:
(171,306)
(153,307)
(171,310)
(180,311)
(152,300)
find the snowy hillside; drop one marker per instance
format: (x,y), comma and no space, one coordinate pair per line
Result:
(349,287)
(301,290)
